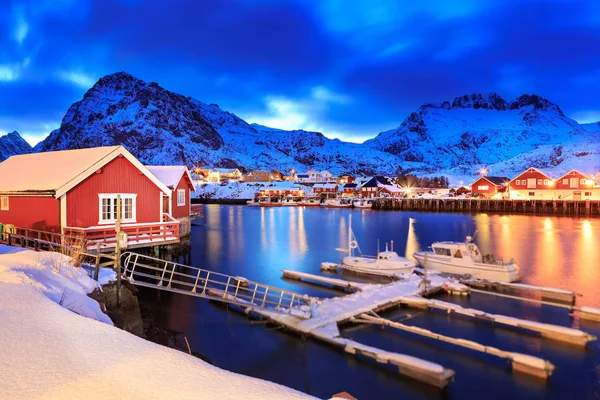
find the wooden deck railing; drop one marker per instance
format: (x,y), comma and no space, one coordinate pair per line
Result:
(136,233)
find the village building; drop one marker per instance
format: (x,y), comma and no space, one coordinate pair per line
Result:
(343,179)
(313,176)
(258,176)
(302,178)
(178,205)
(490,187)
(379,186)
(351,190)
(75,192)
(460,191)
(575,185)
(325,189)
(282,189)
(228,174)
(532,184)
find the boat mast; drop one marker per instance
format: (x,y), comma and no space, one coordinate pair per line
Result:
(350,235)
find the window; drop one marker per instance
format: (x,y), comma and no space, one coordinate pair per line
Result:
(181,197)
(483,187)
(531,194)
(582,182)
(108,208)
(565,181)
(539,181)
(545,181)
(518,182)
(588,194)
(4,203)
(441,251)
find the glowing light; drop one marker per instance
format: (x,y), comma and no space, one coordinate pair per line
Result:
(552,182)
(483,171)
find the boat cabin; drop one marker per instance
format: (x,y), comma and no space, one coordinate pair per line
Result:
(457,250)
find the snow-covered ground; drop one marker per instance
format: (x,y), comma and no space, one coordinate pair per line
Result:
(52,353)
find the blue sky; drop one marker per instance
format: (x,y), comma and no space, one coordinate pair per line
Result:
(349,69)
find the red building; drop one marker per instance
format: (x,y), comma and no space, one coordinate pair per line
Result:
(325,188)
(178,179)
(351,189)
(379,186)
(531,184)
(75,192)
(489,186)
(574,180)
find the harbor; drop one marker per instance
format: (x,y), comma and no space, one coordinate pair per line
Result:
(409,323)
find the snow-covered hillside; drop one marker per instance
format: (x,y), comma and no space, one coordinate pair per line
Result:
(452,138)
(484,130)
(162,127)
(12,144)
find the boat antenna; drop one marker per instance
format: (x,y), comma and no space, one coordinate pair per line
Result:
(350,235)
(392,244)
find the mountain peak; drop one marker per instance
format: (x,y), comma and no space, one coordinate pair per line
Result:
(489,101)
(13,144)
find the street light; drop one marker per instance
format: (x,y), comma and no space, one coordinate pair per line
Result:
(483,171)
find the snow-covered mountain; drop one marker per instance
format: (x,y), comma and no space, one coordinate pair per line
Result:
(162,127)
(482,130)
(453,138)
(12,144)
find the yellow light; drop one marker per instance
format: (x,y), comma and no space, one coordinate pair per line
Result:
(483,171)
(552,182)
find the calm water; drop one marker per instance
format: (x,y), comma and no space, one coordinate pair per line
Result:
(258,243)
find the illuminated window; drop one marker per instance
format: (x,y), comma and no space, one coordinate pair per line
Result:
(545,181)
(108,208)
(181,197)
(483,187)
(531,194)
(539,181)
(587,194)
(582,182)
(565,181)
(4,203)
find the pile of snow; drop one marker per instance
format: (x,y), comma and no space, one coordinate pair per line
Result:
(51,352)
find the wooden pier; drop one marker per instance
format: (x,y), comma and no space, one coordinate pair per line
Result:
(578,208)
(340,284)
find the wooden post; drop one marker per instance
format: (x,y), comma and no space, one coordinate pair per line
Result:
(117,263)
(97,270)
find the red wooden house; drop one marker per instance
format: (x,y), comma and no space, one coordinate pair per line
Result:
(379,186)
(74,192)
(325,188)
(533,184)
(575,185)
(351,190)
(489,186)
(178,204)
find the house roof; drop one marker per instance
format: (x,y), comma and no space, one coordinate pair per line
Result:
(170,175)
(302,176)
(324,185)
(531,169)
(350,185)
(57,172)
(377,181)
(571,172)
(494,180)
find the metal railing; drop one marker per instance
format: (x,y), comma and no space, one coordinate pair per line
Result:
(160,274)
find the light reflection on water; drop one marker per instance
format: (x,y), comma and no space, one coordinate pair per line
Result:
(259,242)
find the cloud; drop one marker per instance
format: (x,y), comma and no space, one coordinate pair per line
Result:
(21,26)
(78,78)
(9,72)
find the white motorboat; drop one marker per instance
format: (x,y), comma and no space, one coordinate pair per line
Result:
(386,263)
(362,203)
(270,202)
(465,258)
(338,203)
(310,202)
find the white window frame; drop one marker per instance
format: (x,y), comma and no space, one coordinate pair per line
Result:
(113,198)
(546,182)
(565,181)
(4,203)
(483,187)
(518,182)
(180,197)
(582,181)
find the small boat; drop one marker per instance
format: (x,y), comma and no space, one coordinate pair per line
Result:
(386,263)
(310,202)
(270,202)
(338,203)
(252,203)
(465,258)
(365,204)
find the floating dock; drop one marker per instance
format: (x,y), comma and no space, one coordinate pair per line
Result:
(561,295)
(555,332)
(336,283)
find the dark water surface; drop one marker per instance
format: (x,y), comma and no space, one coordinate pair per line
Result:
(259,242)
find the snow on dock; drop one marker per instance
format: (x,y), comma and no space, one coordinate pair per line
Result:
(555,332)
(337,283)
(561,295)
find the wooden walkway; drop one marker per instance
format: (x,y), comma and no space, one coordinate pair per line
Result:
(581,208)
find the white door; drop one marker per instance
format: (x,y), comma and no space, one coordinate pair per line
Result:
(531,183)
(574,183)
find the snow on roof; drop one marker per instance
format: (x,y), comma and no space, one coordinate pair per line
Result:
(57,172)
(495,180)
(170,175)
(71,356)
(283,186)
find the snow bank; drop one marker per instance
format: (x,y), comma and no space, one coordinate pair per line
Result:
(51,352)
